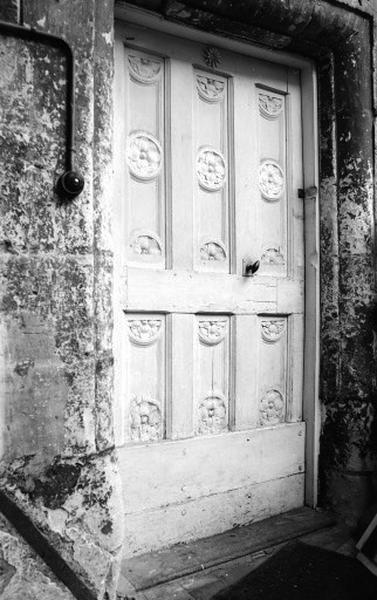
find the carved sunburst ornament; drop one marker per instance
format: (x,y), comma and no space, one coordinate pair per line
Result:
(211,57)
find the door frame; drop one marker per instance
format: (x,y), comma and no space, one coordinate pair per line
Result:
(311,408)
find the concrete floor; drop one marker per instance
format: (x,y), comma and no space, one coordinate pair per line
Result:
(203,585)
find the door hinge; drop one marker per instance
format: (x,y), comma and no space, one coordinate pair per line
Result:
(308,193)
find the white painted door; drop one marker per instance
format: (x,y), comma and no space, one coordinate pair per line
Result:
(209,361)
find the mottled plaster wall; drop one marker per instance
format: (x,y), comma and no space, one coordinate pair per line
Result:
(57,446)
(348,292)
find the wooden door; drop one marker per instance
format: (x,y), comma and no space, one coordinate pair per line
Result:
(209,361)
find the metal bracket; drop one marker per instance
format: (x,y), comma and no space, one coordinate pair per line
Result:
(308,193)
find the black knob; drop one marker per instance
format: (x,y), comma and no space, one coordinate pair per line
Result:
(70,185)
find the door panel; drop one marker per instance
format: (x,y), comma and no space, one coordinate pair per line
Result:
(211,193)
(212,335)
(209,362)
(145,188)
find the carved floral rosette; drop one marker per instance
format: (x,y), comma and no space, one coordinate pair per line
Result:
(270,106)
(212,332)
(144,332)
(145,70)
(272,330)
(211,250)
(210,169)
(146,243)
(271,408)
(143,155)
(145,419)
(212,415)
(271,180)
(210,88)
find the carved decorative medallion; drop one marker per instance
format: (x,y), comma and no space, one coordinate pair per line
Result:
(209,88)
(272,330)
(146,243)
(211,56)
(210,251)
(212,415)
(144,155)
(271,180)
(212,332)
(271,408)
(145,70)
(270,106)
(144,332)
(272,256)
(210,169)
(145,419)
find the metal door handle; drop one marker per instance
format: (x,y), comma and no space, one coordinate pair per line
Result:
(250,267)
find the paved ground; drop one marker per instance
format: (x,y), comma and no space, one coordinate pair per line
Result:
(206,583)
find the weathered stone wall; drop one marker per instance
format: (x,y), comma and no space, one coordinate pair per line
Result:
(23,575)
(348,319)
(57,447)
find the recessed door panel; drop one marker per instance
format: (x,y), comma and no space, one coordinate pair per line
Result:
(144,158)
(211,118)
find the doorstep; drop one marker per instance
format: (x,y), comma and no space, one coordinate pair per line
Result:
(154,568)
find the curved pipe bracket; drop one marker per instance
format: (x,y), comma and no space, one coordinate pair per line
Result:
(71,183)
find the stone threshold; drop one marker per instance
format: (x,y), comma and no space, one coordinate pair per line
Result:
(154,568)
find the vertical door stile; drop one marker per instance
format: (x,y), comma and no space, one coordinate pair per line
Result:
(245,168)
(246,244)
(232,188)
(119,242)
(246,372)
(182,217)
(182,365)
(295,365)
(182,164)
